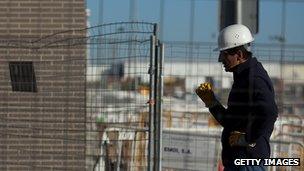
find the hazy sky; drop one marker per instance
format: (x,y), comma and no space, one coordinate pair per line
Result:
(177,18)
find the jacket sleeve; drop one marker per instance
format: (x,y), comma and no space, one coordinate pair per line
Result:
(264,109)
(219,112)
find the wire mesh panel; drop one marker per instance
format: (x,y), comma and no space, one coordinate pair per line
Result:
(287,149)
(188,142)
(189,135)
(79,99)
(118,93)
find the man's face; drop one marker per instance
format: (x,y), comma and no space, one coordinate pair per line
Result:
(229,60)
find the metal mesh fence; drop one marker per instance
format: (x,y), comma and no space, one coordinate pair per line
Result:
(118,84)
(103,102)
(191,135)
(89,102)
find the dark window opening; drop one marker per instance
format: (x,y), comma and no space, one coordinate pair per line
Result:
(23,76)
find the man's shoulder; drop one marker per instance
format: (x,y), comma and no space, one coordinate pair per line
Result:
(262,81)
(259,70)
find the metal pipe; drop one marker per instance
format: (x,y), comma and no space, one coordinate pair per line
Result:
(133,10)
(158,147)
(100,12)
(162,11)
(151,104)
(239,11)
(156,110)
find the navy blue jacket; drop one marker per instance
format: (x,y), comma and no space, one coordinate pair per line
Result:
(251,109)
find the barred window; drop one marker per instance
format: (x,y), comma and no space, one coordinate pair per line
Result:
(23,76)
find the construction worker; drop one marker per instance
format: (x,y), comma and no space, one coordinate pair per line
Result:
(251,111)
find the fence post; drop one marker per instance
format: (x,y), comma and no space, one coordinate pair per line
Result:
(151,103)
(158,106)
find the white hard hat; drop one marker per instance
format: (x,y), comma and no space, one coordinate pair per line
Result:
(233,36)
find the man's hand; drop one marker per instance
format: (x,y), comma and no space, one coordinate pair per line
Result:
(205,92)
(237,138)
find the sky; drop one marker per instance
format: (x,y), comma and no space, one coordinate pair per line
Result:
(177,17)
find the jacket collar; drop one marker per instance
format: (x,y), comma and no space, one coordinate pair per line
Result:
(244,66)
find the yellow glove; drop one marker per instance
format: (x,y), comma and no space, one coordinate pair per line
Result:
(205,92)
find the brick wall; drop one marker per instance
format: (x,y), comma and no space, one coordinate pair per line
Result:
(43,130)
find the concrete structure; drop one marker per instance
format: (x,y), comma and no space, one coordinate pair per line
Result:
(42,122)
